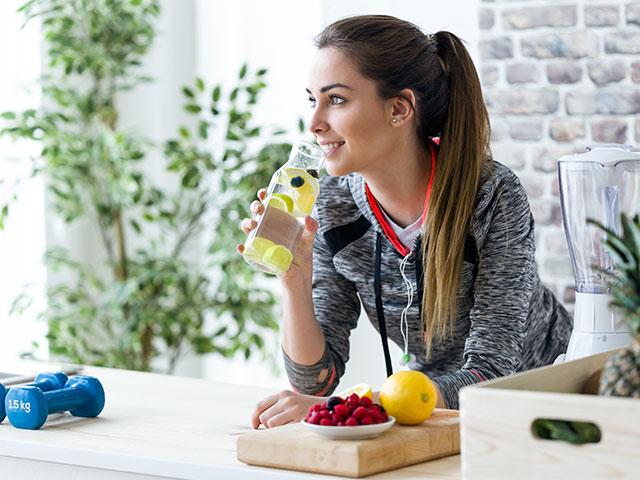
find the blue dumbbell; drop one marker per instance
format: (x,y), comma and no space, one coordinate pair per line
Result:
(29,407)
(44,381)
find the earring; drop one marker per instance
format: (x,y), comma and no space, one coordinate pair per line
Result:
(395,120)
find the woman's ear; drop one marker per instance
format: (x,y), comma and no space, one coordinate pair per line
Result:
(402,107)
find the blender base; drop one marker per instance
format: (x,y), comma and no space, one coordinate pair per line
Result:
(583,344)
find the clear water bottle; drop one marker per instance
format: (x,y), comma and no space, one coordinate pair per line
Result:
(291,196)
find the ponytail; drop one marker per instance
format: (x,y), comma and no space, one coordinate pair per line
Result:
(463,152)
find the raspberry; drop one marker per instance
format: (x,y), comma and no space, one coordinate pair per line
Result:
(360,412)
(372,411)
(341,410)
(349,412)
(375,416)
(351,422)
(314,418)
(366,421)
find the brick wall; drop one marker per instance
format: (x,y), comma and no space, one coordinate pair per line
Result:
(558,76)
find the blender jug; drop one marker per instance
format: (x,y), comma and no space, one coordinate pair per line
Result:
(599,184)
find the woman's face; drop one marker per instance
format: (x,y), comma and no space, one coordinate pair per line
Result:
(350,120)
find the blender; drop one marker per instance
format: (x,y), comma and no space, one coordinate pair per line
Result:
(599,184)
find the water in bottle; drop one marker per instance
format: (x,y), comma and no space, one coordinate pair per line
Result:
(291,196)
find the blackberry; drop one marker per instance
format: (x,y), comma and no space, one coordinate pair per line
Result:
(297,182)
(313,173)
(333,401)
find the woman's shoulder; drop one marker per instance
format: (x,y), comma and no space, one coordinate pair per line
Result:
(336,204)
(498,182)
(331,181)
(501,202)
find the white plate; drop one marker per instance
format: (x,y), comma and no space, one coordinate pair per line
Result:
(351,433)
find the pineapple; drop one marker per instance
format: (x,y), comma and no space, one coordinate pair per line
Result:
(621,373)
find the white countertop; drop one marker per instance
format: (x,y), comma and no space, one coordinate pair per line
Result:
(172,427)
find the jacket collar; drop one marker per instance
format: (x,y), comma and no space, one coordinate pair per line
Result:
(370,208)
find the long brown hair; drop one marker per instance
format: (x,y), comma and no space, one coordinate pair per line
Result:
(449,104)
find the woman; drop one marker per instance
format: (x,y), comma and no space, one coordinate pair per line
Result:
(416,222)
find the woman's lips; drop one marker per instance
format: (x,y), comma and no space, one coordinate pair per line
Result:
(330,148)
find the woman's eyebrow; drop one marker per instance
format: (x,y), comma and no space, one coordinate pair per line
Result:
(329,87)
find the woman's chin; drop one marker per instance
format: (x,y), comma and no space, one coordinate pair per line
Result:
(337,169)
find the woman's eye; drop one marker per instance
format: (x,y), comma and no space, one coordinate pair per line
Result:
(333,100)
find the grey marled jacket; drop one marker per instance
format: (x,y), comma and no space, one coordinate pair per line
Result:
(507,320)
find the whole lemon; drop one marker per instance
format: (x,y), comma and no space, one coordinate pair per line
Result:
(409,396)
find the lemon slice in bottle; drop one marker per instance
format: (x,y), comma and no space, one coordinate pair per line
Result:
(278,257)
(258,246)
(281,201)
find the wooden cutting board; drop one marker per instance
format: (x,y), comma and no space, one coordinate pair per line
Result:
(294,447)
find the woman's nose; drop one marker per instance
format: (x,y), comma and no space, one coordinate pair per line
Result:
(318,123)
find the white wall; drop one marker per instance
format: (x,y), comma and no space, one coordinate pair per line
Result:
(276,35)
(22,242)
(457,16)
(155,111)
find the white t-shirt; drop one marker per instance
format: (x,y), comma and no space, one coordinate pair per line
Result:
(406,235)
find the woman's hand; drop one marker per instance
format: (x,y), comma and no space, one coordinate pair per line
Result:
(302,265)
(282,408)
(248,224)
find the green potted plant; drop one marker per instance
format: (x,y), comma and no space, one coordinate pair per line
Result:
(152,301)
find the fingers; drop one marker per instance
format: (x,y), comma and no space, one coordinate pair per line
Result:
(311,224)
(289,408)
(261,407)
(311,227)
(256,207)
(248,224)
(267,417)
(282,418)
(280,409)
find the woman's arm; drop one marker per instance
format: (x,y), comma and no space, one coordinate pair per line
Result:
(302,338)
(315,339)
(502,292)
(318,316)
(328,308)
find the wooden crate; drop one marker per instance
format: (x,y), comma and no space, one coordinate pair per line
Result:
(496,418)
